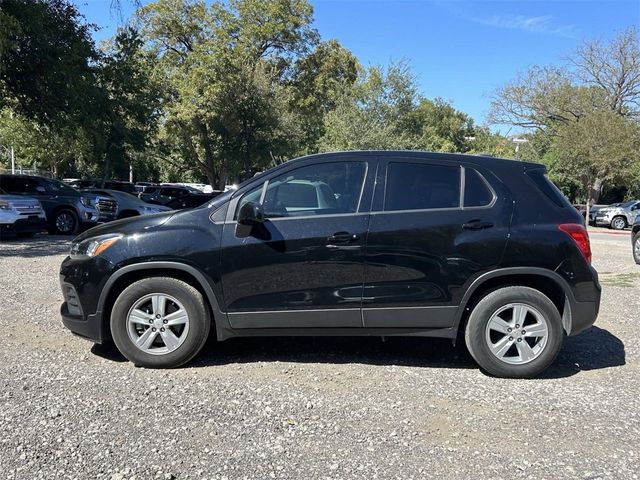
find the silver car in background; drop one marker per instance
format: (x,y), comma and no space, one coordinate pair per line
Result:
(128,205)
(618,215)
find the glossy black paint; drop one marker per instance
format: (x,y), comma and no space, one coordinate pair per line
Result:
(369,272)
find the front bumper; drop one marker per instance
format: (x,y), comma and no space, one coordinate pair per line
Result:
(603,220)
(32,224)
(82,281)
(89,327)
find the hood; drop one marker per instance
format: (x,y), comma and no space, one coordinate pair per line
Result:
(19,199)
(128,225)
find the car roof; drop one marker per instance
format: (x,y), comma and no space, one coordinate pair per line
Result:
(486,160)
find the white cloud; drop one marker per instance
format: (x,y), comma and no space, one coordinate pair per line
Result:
(539,24)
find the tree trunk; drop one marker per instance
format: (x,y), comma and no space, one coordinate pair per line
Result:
(209,163)
(595,190)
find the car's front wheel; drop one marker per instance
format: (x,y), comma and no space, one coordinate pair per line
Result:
(514,332)
(65,222)
(160,322)
(619,223)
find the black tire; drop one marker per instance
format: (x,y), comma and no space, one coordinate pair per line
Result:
(475,333)
(189,297)
(65,222)
(636,247)
(618,222)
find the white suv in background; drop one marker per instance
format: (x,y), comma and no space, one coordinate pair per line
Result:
(20,215)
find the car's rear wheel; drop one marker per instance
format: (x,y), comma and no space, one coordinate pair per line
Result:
(636,248)
(514,332)
(65,222)
(619,223)
(160,322)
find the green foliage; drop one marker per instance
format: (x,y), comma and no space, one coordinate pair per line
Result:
(46,60)
(375,113)
(584,118)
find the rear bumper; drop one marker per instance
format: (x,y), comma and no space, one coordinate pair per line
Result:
(584,314)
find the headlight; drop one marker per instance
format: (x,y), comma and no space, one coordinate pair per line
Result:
(4,205)
(86,201)
(92,247)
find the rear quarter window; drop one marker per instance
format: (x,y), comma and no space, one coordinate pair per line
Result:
(547,187)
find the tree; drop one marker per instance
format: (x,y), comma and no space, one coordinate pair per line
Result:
(375,113)
(603,146)
(318,82)
(47,60)
(224,67)
(582,111)
(129,106)
(442,128)
(613,69)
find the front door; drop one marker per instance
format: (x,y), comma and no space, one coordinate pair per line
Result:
(435,226)
(304,265)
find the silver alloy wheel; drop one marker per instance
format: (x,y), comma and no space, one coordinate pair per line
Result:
(65,222)
(517,333)
(618,223)
(157,324)
(636,249)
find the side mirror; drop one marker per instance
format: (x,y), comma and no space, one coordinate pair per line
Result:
(250,214)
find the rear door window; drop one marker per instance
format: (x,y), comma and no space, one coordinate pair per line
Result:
(477,192)
(421,186)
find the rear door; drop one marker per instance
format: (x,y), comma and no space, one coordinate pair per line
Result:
(435,227)
(304,266)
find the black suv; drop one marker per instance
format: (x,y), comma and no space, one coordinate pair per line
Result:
(67,209)
(175,196)
(354,243)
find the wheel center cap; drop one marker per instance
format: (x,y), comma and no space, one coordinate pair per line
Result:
(158,323)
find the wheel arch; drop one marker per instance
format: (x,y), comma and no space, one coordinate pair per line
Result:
(546,281)
(58,208)
(125,276)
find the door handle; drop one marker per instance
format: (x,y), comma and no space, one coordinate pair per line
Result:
(342,237)
(476,225)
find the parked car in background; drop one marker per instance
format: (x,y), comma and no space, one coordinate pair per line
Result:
(20,215)
(129,205)
(593,211)
(67,210)
(618,215)
(164,194)
(353,243)
(110,184)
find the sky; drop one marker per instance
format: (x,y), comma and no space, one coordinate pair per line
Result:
(460,50)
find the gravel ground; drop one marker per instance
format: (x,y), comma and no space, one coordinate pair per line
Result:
(311,408)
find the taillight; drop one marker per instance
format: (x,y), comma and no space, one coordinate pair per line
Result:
(580,236)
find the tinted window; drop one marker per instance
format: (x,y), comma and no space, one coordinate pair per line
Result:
(57,187)
(19,184)
(417,186)
(322,189)
(548,188)
(476,191)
